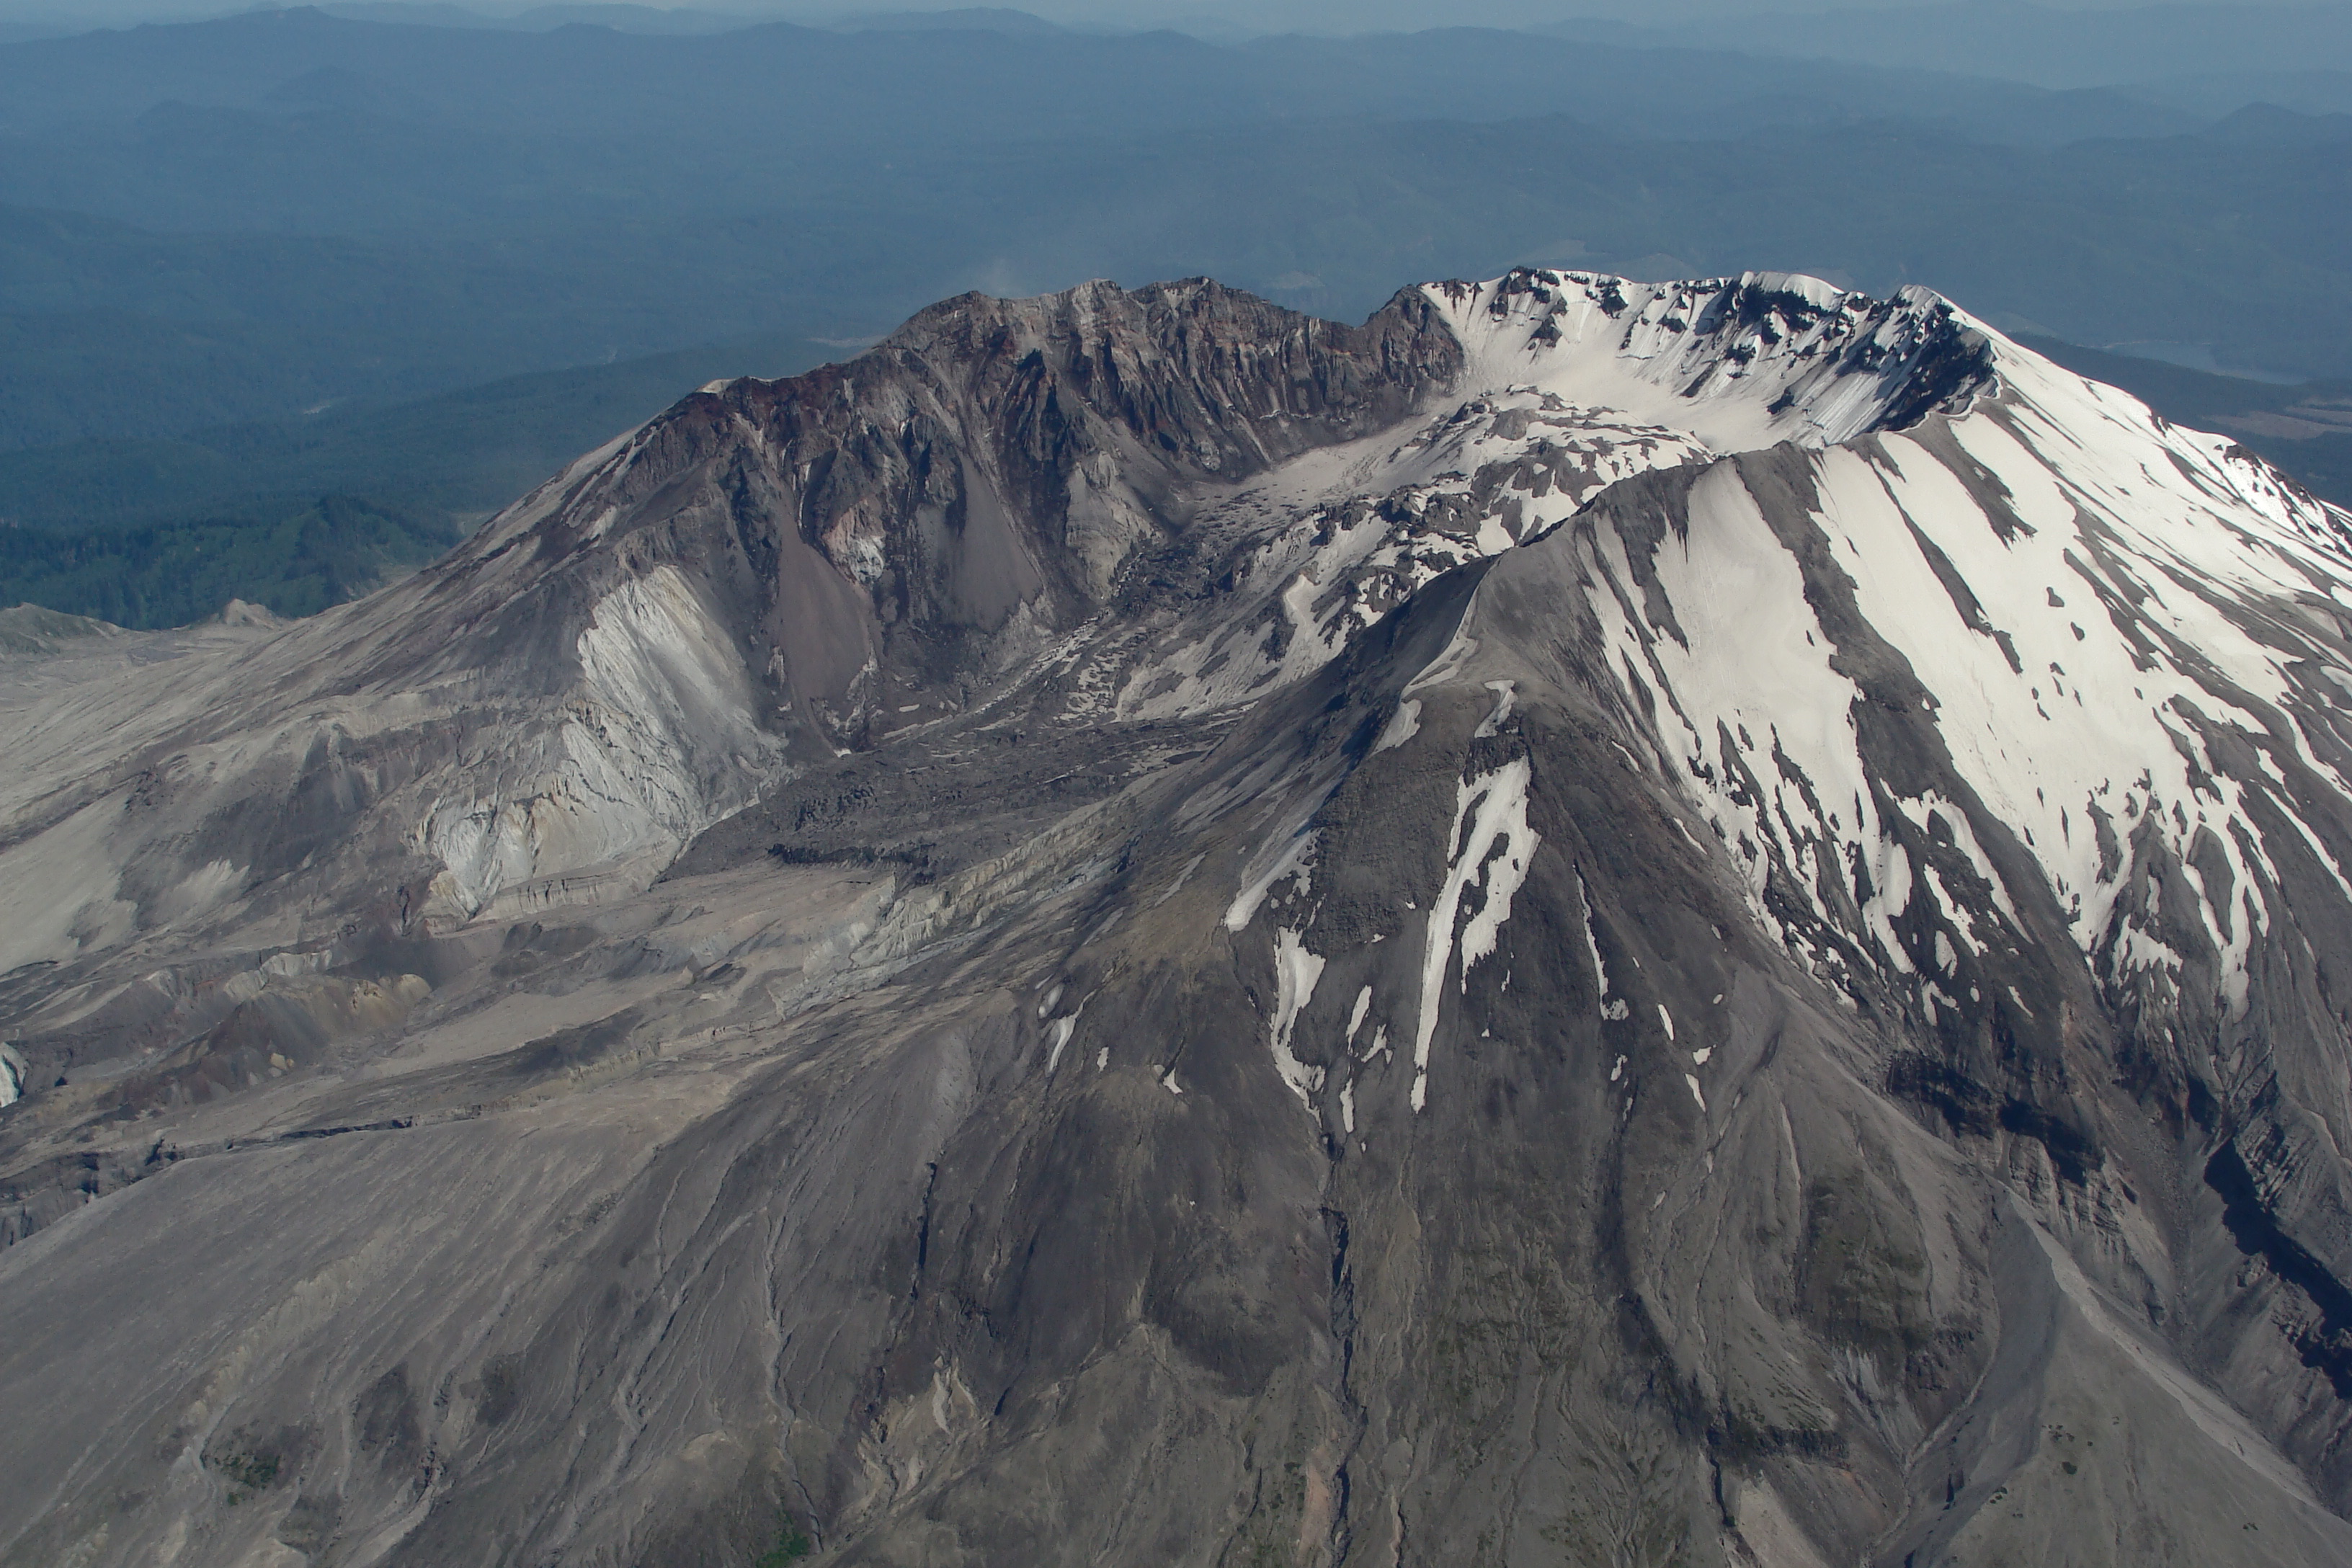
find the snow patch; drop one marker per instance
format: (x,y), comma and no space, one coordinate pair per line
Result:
(1402,726)
(1496,804)
(1290,860)
(1505,691)
(1612,1011)
(1295,970)
(1063,1029)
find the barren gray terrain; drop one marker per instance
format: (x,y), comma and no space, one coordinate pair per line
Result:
(1592,923)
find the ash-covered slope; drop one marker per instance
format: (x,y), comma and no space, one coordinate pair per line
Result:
(1691,923)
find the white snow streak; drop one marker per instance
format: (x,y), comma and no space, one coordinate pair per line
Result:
(1295,970)
(1290,861)
(1499,832)
(1506,693)
(1403,727)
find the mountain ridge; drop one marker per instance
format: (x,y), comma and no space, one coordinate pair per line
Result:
(1331,943)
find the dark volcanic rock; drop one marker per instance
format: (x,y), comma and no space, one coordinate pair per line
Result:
(975,482)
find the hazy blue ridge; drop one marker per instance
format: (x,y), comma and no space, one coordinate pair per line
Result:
(2246,246)
(456,454)
(322,554)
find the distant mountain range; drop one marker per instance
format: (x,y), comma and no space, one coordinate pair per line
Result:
(226,248)
(2049,46)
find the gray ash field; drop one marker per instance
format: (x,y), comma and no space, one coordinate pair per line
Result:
(1594,922)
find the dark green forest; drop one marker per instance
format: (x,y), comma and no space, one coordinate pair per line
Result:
(170,575)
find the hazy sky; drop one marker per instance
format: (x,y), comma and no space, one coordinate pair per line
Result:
(1206,17)
(1319,15)
(1354,14)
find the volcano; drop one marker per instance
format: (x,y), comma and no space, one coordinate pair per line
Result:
(1692,923)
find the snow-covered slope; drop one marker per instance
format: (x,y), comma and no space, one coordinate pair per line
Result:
(1569,382)
(1687,923)
(2108,618)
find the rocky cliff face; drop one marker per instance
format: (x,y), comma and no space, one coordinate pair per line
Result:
(1593,921)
